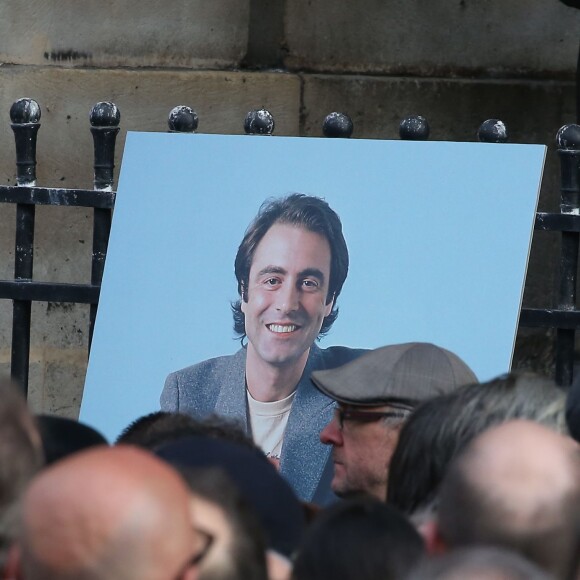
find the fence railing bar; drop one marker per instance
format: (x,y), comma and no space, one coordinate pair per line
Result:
(557,222)
(549,318)
(25,117)
(54,196)
(20,352)
(104,119)
(568,140)
(101,229)
(25,290)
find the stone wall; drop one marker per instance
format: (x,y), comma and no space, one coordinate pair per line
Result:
(457,63)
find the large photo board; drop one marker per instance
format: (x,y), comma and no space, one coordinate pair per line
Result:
(438,234)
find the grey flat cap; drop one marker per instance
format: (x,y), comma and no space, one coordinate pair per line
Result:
(400,373)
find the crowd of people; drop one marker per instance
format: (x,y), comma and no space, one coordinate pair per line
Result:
(479,481)
(286,461)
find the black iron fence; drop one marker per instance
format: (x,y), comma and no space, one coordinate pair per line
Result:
(104,121)
(564,317)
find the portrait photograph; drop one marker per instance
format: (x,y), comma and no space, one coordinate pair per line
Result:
(437,236)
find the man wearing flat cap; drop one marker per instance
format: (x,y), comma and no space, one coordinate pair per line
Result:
(375,394)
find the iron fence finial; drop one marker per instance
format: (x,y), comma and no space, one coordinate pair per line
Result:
(337,125)
(259,122)
(568,137)
(25,117)
(104,118)
(414,128)
(492,131)
(182,119)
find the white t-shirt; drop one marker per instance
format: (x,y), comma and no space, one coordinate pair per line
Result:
(268,422)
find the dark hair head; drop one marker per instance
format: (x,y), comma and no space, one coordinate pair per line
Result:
(360,539)
(305,211)
(62,437)
(423,452)
(160,427)
(258,481)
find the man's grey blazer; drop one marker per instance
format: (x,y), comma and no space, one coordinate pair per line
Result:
(218,386)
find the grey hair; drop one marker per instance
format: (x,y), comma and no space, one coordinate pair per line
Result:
(441,427)
(478,562)
(513,396)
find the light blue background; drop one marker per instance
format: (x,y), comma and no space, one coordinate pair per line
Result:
(438,233)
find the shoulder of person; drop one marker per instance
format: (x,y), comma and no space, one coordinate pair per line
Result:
(213,367)
(195,389)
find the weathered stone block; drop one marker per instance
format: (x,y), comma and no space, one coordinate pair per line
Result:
(444,39)
(113,33)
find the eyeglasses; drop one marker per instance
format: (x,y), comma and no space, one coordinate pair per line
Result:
(361,416)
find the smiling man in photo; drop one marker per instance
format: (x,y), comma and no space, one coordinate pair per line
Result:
(290,268)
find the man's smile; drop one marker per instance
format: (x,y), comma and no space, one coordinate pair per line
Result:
(282,328)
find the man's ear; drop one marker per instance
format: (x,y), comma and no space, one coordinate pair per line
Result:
(12,569)
(434,543)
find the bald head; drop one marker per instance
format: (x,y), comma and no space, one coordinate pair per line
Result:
(526,462)
(107,513)
(516,485)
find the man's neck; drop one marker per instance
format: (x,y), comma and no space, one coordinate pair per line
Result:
(267,382)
